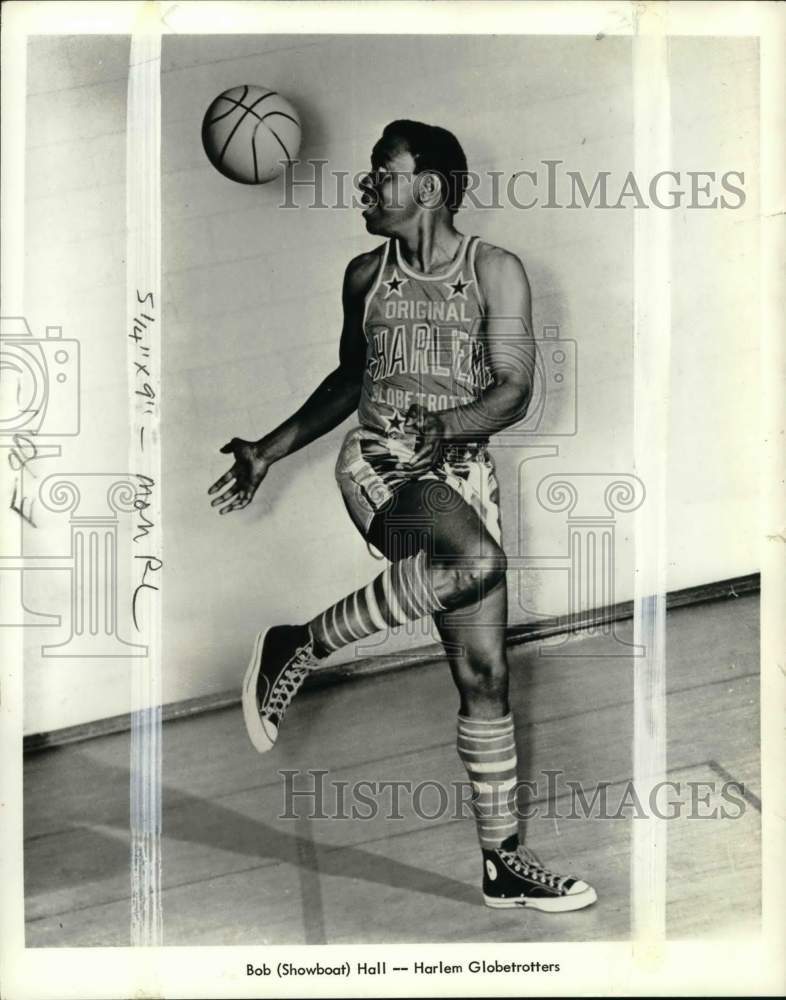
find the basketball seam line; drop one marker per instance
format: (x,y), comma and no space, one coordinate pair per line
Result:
(241,120)
(239,104)
(254,143)
(278,140)
(234,104)
(281,114)
(245,107)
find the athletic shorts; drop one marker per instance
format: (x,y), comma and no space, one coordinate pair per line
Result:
(368,480)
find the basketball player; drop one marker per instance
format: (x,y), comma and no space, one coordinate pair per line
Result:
(436,355)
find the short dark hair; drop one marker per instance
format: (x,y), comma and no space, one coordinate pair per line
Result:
(435,149)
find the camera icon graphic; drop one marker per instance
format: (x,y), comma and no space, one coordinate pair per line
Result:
(553,408)
(39,381)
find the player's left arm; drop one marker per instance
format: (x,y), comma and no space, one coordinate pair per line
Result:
(509,349)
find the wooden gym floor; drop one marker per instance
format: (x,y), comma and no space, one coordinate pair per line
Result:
(235,873)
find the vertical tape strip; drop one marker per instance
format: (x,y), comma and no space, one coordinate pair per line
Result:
(13,81)
(772,128)
(652,333)
(143,312)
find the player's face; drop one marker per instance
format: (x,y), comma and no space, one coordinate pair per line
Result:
(388,190)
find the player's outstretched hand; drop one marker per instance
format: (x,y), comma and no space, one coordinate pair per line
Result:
(237,487)
(430,436)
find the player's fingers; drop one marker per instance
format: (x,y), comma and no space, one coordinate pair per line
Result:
(228,494)
(238,504)
(423,453)
(421,460)
(413,463)
(221,482)
(229,446)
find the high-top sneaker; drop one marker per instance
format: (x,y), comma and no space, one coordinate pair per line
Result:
(513,876)
(281,659)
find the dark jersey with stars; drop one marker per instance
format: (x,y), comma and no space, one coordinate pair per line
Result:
(424,339)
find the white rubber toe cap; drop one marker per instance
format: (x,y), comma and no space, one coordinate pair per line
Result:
(262,732)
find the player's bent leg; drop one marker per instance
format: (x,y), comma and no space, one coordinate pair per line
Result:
(410,588)
(432,568)
(283,655)
(464,559)
(403,592)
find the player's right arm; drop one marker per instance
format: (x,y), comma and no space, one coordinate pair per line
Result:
(334,399)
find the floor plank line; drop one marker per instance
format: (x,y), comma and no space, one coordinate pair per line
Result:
(749,796)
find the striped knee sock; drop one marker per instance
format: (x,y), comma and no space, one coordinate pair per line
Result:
(488,751)
(402,593)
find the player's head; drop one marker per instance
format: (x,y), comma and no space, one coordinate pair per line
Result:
(415,168)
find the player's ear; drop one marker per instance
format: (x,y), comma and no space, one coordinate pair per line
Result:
(429,189)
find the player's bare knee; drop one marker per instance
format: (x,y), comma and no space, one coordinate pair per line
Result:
(472,579)
(496,566)
(448,583)
(458,585)
(487,573)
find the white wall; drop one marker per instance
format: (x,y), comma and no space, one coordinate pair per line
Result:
(252,308)
(75,278)
(714,433)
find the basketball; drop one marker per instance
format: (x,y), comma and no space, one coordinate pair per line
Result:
(250,133)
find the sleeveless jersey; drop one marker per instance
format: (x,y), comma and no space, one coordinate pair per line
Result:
(424,339)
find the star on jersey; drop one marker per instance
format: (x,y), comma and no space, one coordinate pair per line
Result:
(458,287)
(394,284)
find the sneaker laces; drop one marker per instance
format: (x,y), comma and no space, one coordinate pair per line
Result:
(291,679)
(525,862)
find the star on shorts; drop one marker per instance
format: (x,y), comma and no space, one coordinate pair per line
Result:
(395,422)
